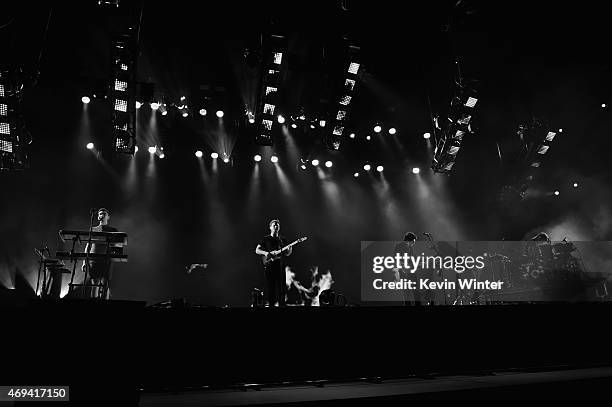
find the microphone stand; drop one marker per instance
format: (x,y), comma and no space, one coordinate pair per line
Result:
(91,215)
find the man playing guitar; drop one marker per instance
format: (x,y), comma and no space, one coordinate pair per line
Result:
(270,247)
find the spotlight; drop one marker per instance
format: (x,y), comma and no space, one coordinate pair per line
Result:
(226,159)
(315,162)
(367,167)
(182,98)
(392,130)
(198,154)
(352,135)
(294,126)
(281,119)
(416,170)
(368,137)
(85,99)
(560,130)
(575,185)
(426,135)
(274,159)
(303,166)
(152,150)
(154,105)
(377,129)
(556,193)
(329,164)
(202,112)
(220,113)
(312,126)
(165,112)
(90,146)
(135,149)
(185,114)
(356,174)
(379,168)
(162,155)
(257,158)
(252,120)
(138,105)
(214,155)
(322,123)
(603,105)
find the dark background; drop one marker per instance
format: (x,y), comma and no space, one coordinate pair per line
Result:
(549,61)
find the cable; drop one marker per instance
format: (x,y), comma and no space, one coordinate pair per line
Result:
(7,24)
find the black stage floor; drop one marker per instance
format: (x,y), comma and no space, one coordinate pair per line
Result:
(125,346)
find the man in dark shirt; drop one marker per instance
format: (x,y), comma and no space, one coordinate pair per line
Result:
(270,247)
(100,270)
(407,246)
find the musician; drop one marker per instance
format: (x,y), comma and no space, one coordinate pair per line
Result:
(270,246)
(100,270)
(407,246)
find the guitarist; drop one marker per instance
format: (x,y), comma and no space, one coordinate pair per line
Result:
(270,247)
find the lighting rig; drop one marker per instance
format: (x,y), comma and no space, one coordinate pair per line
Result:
(14,138)
(274,61)
(457,125)
(123,93)
(343,106)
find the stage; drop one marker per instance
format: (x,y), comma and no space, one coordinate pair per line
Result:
(131,347)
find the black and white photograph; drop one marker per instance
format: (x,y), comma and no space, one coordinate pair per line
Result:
(305,203)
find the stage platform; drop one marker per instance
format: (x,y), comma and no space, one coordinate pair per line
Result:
(127,345)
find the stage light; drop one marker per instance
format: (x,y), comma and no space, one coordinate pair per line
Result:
(85,99)
(416,170)
(90,146)
(556,193)
(471,102)
(165,112)
(303,166)
(135,149)
(379,168)
(226,159)
(312,126)
(152,150)
(377,129)
(575,185)
(154,105)
(281,119)
(352,135)
(203,112)
(182,98)
(329,164)
(550,136)
(162,155)
(560,130)
(257,158)
(185,114)
(368,137)
(322,123)
(603,105)
(220,113)
(356,174)
(294,126)
(198,154)
(138,105)
(367,167)
(214,155)
(252,120)
(353,68)
(392,130)
(426,135)
(315,162)
(274,159)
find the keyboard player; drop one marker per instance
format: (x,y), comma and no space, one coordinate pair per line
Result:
(100,270)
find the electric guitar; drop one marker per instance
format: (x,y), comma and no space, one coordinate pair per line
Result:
(271,257)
